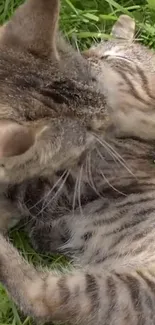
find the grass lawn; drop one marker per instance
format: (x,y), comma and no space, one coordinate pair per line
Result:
(82,22)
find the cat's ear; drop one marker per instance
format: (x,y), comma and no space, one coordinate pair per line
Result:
(15,139)
(124,28)
(34,27)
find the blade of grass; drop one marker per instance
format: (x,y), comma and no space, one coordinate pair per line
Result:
(15,313)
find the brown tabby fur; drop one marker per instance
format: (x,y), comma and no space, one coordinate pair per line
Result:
(47,97)
(81,169)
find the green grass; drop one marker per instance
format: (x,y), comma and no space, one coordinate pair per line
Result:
(82,22)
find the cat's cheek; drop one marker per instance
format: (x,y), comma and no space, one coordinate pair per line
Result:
(7,171)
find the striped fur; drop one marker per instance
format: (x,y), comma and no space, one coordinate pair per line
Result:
(99,210)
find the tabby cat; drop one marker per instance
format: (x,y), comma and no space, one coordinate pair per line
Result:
(81,169)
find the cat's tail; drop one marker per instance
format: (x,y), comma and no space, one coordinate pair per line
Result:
(78,296)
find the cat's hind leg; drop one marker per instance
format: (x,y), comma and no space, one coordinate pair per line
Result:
(81,297)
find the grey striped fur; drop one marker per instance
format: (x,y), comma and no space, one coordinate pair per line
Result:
(98,208)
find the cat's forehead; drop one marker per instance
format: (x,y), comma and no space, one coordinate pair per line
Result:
(111,47)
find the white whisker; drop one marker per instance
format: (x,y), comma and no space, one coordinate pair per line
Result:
(106,179)
(74,196)
(56,194)
(79,190)
(50,191)
(114,153)
(89,174)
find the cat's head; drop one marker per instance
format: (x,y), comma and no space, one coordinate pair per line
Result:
(127,78)
(48,99)
(122,45)
(52,100)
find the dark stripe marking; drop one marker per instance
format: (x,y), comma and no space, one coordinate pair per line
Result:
(111,294)
(64,290)
(134,289)
(92,290)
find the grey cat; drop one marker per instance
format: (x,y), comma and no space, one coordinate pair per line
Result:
(47,99)
(82,170)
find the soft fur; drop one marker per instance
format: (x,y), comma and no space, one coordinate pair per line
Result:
(82,171)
